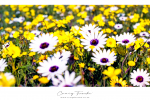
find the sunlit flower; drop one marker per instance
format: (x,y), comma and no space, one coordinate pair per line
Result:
(94,40)
(67,81)
(118,26)
(104,57)
(112,72)
(89,28)
(115,82)
(140,78)
(125,38)
(63,55)
(122,18)
(51,67)
(144,34)
(43,43)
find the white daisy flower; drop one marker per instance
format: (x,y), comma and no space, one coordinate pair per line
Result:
(131,16)
(113,8)
(121,15)
(64,55)
(122,18)
(94,39)
(118,26)
(67,81)
(90,8)
(144,34)
(3,64)
(17,12)
(125,38)
(43,43)
(3,32)
(53,66)
(87,18)
(35,32)
(76,27)
(140,78)
(104,57)
(6,45)
(136,25)
(89,28)
(11,34)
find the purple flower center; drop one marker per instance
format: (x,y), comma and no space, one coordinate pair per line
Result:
(94,42)
(89,31)
(139,79)
(125,41)
(148,42)
(68,86)
(104,60)
(44,45)
(53,68)
(118,84)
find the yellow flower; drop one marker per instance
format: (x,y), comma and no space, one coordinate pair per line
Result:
(111,72)
(31,54)
(92,47)
(111,42)
(6,20)
(131,63)
(8,29)
(5,81)
(145,10)
(42,57)
(35,77)
(13,50)
(76,58)
(6,13)
(16,34)
(148,60)
(91,69)
(115,82)
(43,80)
(24,53)
(28,35)
(6,36)
(80,21)
(111,23)
(81,65)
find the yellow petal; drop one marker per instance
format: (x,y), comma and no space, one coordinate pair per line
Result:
(117,71)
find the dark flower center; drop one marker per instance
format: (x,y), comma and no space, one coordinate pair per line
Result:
(68,86)
(148,42)
(143,34)
(89,31)
(139,79)
(53,68)
(94,42)
(60,57)
(71,59)
(104,60)
(44,45)
(7,46)
(125,41)
(118,84)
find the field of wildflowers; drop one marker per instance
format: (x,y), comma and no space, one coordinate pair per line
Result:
(74,45)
